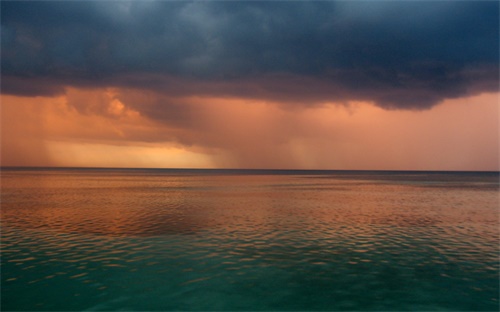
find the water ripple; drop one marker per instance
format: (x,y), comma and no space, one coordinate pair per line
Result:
(76,242)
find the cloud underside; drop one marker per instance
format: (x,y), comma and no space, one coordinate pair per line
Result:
(397,55)
(229,133)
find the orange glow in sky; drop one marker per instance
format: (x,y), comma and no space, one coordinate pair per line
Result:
(94,128)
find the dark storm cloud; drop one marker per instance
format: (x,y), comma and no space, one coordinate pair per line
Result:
(397,54)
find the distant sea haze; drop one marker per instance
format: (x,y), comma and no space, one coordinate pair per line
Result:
(241,239)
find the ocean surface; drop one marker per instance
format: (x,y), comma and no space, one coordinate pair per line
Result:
(191,240)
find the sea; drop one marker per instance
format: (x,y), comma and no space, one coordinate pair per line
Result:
(248,240)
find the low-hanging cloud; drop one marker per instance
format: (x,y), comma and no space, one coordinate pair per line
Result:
(398,55)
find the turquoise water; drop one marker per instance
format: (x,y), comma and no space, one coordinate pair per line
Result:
(249,240)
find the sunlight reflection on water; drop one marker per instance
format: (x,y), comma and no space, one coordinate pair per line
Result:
(98,240)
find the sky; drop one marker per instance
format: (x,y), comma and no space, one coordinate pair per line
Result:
(357,85)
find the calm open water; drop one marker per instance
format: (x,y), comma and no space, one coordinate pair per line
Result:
(249,240)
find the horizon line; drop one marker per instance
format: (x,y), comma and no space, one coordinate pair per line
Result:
(236,169)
